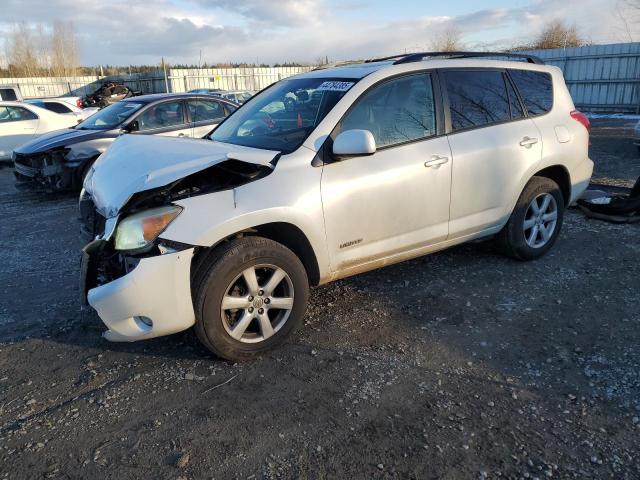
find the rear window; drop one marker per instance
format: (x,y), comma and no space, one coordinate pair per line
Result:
(476,98)
(536,90)
(56,107)
(8,94)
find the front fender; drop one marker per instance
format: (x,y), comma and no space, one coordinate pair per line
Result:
(209,219)
(81,152)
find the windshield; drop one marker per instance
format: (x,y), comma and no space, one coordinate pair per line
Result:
(110,117)
(284,115)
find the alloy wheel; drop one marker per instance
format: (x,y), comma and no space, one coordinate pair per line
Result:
(540,220)
(257,303)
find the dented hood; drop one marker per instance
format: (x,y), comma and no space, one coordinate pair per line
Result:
(135,163)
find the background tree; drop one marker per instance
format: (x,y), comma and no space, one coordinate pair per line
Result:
(627,14)
(22,57)
(558,34)
(65,56)
(34,50)
(448,40)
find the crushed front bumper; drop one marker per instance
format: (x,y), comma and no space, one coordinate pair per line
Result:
(42,171)
(151,300)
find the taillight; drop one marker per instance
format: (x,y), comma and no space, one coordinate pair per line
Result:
(581,118)
(79,103)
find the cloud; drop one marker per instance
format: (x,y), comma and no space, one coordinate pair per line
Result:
(274,15)
(124,32)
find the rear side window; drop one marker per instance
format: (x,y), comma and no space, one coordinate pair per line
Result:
(56,107)
(203,110)
(8,94)
(536,90)
(397,111)
(476,98)
(162,115)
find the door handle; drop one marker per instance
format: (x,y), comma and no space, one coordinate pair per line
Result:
(528,142)
(181,134)
(436,161)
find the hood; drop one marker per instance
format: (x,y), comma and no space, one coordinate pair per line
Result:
(135,163)
(62,138)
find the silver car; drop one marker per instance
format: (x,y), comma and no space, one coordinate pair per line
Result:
(321,176)
(60,160)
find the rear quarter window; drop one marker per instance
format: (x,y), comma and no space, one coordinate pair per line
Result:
(536,90)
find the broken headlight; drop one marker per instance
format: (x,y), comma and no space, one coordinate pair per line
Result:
(138,231)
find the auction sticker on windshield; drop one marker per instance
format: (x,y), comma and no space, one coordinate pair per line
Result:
(335,86)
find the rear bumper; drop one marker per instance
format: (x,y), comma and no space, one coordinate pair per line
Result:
(580,178)
(152,300)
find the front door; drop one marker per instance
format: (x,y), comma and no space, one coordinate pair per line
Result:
(397,199)
(18,125)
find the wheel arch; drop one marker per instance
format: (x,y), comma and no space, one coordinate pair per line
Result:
(560,175)
(284,233)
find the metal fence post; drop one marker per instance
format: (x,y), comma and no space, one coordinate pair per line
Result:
(166,80)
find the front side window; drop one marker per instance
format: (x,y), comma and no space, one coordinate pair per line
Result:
(476,98)
(284,115)
(202,110)
(110,117)
(536,90)
(162,115)
(16,114)
(397,111)
(4,115)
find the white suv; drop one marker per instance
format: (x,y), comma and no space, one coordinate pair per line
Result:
(321,176)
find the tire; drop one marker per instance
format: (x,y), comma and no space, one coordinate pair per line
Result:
(230,333)
(81,174)
(522,243)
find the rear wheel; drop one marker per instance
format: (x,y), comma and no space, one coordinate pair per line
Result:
(535,222)
(250,294)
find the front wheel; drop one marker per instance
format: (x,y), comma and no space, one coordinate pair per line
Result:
(249,296)
(535,222)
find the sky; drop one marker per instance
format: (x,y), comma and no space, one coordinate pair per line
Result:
(124,32)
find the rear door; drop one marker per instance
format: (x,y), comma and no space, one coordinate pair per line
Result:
(17,126)
(493,144)
(167,118)
(205,114)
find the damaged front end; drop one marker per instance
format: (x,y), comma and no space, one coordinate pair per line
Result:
(138,282)
(44,170)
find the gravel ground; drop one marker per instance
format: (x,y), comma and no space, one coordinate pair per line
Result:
(462,364)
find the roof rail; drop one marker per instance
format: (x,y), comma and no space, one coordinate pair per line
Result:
(336,64)
(418,57)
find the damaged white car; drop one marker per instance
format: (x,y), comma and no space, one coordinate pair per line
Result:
(321,176)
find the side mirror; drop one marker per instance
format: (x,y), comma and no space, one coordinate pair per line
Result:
(354,143)
(131,127)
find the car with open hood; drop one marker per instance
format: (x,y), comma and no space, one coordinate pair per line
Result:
(324,175)
(60,160)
